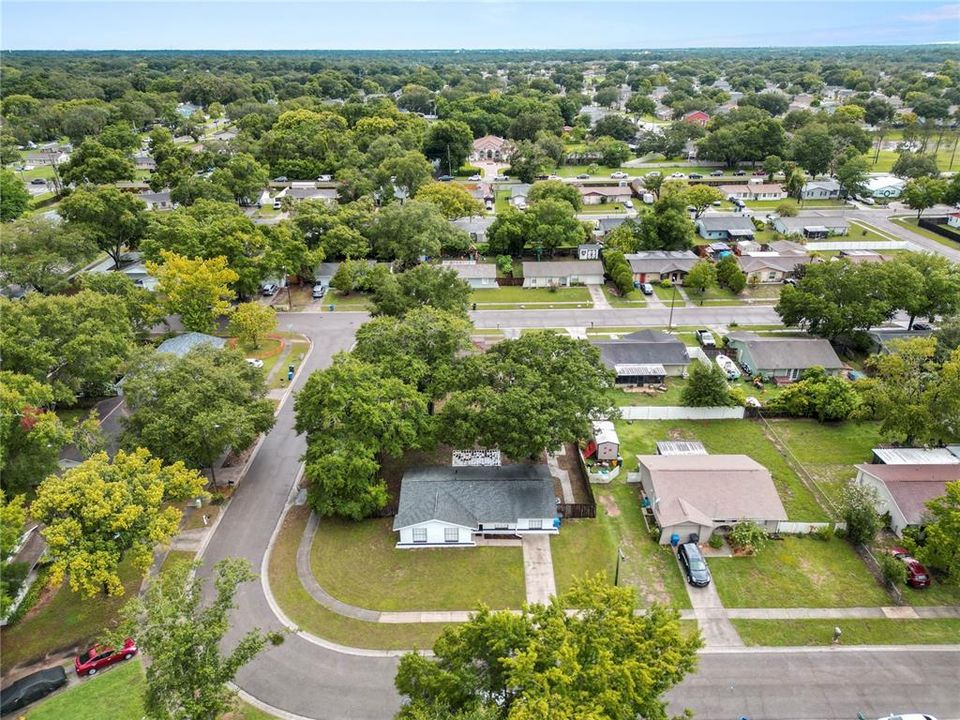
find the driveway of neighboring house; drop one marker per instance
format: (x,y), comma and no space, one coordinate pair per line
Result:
(538,569)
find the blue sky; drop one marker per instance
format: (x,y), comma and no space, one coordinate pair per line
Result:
(226,24)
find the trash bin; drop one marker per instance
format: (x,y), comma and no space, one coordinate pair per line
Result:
(674,540)
(332,307)
(694,538)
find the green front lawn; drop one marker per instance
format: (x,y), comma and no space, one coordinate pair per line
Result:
(938,593)
(589,546)
(911,224)
(311,616)
(63,621)
(515,294)
(828,451)
(353,301)
(724,437)
(610,207)
(668,294)
(357,563)
(713,296)
(622,398)
(501,200)
(797,633)
(797,572)
(633,299)
(774,204)
(116,693)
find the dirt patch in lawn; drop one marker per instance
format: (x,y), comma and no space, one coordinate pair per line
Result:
(609,505)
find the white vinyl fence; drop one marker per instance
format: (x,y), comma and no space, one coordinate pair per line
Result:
(804,528)
(676,412)
(879,245)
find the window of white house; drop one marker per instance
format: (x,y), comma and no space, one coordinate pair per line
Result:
(535,524)
(772,276)
(419,535)
(451,535)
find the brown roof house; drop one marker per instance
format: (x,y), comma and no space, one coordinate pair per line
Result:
(904,490)
(491,147)
(700,494)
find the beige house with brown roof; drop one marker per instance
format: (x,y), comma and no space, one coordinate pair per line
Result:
(700,494)
(491,147)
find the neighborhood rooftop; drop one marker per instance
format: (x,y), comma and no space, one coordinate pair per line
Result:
(776,352)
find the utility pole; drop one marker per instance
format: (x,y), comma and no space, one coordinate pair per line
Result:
(673,301)
(616,576)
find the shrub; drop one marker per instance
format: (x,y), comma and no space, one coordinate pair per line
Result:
(858,508)
(893,571)
(469,170)
(786,210)
(749,537)
(715,541)
(824,533)
(666,284)
(505,264)
(31,597)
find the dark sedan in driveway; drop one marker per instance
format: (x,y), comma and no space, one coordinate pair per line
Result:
(694,566)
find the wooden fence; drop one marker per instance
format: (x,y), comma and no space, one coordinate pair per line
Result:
(939,226)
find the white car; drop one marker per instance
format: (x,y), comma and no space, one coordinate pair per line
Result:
(628,204)
(909,716)
(554,177)
(474,178)
(728,367)
(255,362)
(619,175)
(678,175)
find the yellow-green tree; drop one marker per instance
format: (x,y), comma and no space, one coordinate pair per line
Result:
(454,201)
(100,513)
(196,289)
(251,321)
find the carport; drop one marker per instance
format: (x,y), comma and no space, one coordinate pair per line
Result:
(634,374)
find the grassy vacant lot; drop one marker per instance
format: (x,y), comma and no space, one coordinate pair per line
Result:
(937,594)
(828,451)
(312,617)
(117,693)
(855,632)
(586,547)
(514,294)
(724,437)
(63,620)
(797,572)
(357,563)
(602,208)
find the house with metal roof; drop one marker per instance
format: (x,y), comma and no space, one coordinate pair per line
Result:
(905,490)
(694,494)
(562,273)
(644,357)
(811,226)
(725,226)
(825,189)
(657,265)
(451,506)
(780,358)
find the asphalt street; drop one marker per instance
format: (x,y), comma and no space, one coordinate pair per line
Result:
(308,680)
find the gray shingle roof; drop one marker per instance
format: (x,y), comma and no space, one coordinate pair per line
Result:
(466,270)
(182,344)
(715,223)
(468,496)
(662,261)
(644,347)
(771,353)
(562,268)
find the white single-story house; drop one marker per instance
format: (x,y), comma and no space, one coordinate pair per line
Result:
(751,190)
(478,276)
(826,189)
(476,226)
(132,266)
(770,267)
(811,227)
(655,265)
(589,251)
(725,226)
(308,191)
(782,359)
(606,224)
(518,195)
(562,273)
(953,220)
(606,443)
(644,357)
(693,494)
(884,186)
(598,195)
(449,506)
(904,490)
(916,455)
